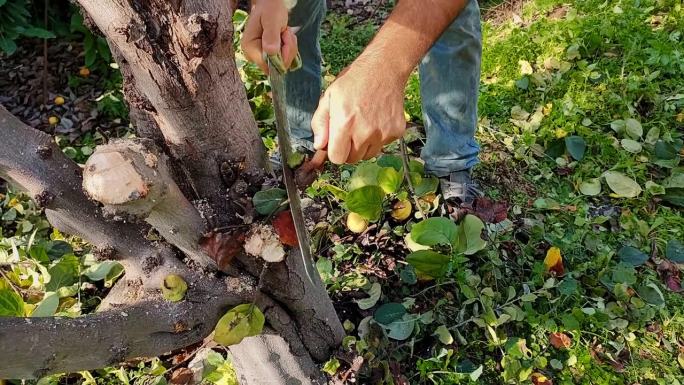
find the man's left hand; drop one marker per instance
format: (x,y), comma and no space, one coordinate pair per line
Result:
(362,110)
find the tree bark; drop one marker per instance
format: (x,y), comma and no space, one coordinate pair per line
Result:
(181,58)
(183,83)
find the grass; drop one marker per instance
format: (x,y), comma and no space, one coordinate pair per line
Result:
(566,93)
(586,66)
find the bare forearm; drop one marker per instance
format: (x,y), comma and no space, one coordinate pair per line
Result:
(407,35)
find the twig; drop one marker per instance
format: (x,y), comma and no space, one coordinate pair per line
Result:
(45,56)
(405,162)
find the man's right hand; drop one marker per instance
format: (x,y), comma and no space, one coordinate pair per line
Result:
(267,33)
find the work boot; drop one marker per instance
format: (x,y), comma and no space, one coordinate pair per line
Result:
(459,188)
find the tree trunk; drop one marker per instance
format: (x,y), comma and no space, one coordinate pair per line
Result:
(194,186)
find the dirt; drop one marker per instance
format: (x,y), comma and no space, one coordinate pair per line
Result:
(22,90)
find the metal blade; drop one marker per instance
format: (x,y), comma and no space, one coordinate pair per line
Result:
(285,148)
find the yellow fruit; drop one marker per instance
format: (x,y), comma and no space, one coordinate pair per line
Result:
(174,287)
(84,71)
(53,120)
(401,210)
(59,101)
(356,223)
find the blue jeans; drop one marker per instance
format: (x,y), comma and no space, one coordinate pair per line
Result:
(449,79)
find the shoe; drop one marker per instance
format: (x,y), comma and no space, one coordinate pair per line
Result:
(459,188)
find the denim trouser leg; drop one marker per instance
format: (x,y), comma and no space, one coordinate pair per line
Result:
(303,87)
(449,81)
(449,77)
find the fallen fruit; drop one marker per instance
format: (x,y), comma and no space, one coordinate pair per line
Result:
(84,71)
(53,120)
(356,223)
(174,287)
(59,101)
(401,210)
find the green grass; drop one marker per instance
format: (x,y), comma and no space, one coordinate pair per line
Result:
(617,61)
(586,73)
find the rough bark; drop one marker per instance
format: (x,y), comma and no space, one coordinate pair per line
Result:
(181,57)
(183,85)
(32,160)
(50,345)
(131,178)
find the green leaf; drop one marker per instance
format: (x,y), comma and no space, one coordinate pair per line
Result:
(295,159)
(374,293)
(622,185)
(675,181)
(652,135)
(365,174)
(443,335)
(37,32)
(11,304)
(393,161)
(63,273)
(47,306)
(242,321)
(7,46)
(631,146)
(651,293)
(174,287)
(665,150)
(576,146)
(435,231)
(633,128)
(401,329)
(674,196)
(331,366)
(113,274)
(408,275)
(266,202)
(366,201)
(675,251)
(337,192)
(57,249)
(426,186)
(591,187)
(416,166)
(632,256)
(389,179)
(529,297)
(389,312)
(429,262)
(469,235)
(99,271)
(570,322)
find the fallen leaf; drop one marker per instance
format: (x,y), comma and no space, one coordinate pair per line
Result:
(488,210)
(222,247)
(181,376)
(284,227)
(560,340)
(669,273)
(553,263)
(540,379)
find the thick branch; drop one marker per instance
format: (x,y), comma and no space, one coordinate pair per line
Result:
(146,329)
(31,160)
(131,178)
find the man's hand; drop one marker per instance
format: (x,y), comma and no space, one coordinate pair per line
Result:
(267,32)
(362,110)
